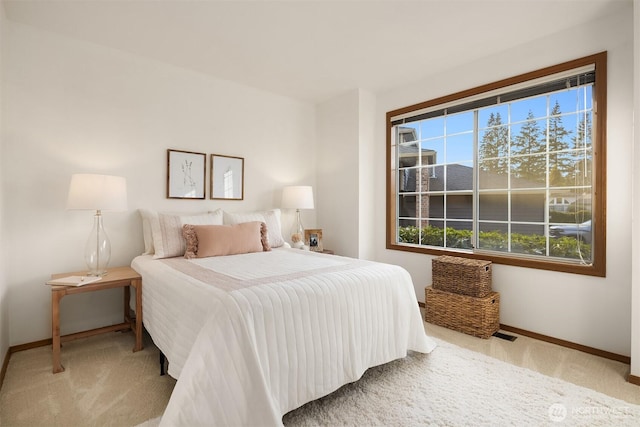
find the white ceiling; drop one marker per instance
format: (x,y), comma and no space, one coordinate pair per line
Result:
(310,50)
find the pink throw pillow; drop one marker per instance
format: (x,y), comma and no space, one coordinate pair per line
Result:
(217,240)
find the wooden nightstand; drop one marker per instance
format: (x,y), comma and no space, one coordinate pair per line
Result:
(117,277)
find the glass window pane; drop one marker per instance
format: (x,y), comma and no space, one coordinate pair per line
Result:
(433,206)
(582,137)
(528,108)
(459,235)
(493,142)
(459,148)
(562,128)
(433,234)
(433,150)
(408,155)
(407,180)
(569,248)
(407,206)
(529,137)
(567,100)
(461,122)
(570,122)
(528,239)
(432,128)
(528,171)
(569,207)
(493,207)
(581,175)
(493,114)
(436,179)
(585,98)
(561,204)
(493,236)
(408,232)
(459,176)
(460,206)
(493,174)
(407,132)
(562,168)
(529,206)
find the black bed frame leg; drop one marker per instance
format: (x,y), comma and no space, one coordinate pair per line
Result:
(163,359)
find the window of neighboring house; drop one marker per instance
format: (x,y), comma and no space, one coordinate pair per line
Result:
(512,171)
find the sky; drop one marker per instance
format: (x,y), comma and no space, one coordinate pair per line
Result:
(451,136)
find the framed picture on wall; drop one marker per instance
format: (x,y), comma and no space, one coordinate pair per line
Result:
(313,239)
(227,177)
(185,174)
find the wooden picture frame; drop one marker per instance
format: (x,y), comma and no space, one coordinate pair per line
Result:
(227,177)
(313,239)
(186,172)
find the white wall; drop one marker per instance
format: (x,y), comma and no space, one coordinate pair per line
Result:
(635,301)
(368,168)
(337,194)
(79,107)
(591,311)
(4,289)
(345,170)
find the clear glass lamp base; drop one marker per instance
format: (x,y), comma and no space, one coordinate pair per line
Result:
(297,233)
(97,251)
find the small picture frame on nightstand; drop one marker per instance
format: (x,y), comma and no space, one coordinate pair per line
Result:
(313,239)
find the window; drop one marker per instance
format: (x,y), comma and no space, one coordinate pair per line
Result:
(512,171)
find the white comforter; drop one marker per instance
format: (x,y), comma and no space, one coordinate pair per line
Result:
(251,337)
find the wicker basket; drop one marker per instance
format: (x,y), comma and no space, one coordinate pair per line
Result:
(461,275)
(479,317)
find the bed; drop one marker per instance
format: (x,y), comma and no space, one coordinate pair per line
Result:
(251,336)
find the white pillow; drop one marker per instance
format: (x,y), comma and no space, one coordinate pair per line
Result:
(270,217)
(148,217)
(168,240)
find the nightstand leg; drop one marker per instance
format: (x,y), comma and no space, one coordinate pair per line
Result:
(55,330)
(127,310)
(137,284)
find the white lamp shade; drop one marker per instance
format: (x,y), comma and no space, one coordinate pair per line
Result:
(97,192)
(297,197)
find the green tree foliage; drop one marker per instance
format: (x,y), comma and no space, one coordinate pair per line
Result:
(582,138)
(528,144)
(531,244)
(580,173)
(560,163)
(494,146)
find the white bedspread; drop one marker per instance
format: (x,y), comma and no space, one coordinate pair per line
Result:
(251,337)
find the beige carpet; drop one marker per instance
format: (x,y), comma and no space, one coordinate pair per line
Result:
(104,384)
(107,384)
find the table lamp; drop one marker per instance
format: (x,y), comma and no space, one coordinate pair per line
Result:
(99,193)
(297,197)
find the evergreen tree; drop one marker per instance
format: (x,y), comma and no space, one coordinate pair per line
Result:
(584,133)
(528,165)
(494,145)
(581,173)
(560,164)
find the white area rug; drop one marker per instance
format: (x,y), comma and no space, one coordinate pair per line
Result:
(453,386)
